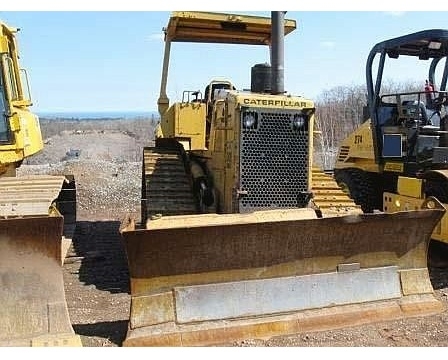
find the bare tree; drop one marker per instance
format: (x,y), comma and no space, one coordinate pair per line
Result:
(339,111)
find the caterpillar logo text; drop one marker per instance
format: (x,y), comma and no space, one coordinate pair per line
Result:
(276,103)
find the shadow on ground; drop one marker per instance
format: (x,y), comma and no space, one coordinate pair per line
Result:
(97,244)
(114,331)
(438,264)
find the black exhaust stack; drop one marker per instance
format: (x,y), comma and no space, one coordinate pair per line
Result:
(269,79)
(277,52)
(261,79)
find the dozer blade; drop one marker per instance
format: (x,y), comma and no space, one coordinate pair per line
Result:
(31,195)
(211,279)
(33,309)
(34,238)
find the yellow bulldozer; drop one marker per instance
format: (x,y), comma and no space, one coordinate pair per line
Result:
(398,157)
(240,235)
(37,220)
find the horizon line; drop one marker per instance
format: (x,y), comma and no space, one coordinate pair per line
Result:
(90,111)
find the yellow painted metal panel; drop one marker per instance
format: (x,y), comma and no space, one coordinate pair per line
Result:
(152,309)
(440,232)
(357,150)
(190,123)
(273,101)
(415,281)
(394,167)
(395,202)
(65,340)
(209,27)
(3,45)
(410,187)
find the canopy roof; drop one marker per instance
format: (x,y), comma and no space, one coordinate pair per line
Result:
(209,27)
(423,44)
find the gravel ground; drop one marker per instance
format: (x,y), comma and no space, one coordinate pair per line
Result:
(107,165)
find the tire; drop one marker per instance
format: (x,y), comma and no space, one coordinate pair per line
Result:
(438,189)
(360,187)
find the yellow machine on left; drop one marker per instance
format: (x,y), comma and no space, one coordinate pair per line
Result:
(37,220)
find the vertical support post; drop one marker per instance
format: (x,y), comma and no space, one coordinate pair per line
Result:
(163,102)
(277,51)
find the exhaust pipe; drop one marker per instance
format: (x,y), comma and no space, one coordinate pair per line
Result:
(277,51)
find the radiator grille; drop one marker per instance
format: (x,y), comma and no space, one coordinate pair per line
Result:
(273,162)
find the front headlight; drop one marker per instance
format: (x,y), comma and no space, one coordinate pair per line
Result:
(250,120)
(298,121)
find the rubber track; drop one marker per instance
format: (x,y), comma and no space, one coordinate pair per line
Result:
(166,184)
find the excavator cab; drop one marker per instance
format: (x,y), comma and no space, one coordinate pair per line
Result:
(20,134)
(6,98)
(4,133)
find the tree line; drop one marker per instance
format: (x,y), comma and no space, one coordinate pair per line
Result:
(339,111)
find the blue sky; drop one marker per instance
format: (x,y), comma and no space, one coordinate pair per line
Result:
(93,60)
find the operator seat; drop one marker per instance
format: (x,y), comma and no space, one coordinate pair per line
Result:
(216,85)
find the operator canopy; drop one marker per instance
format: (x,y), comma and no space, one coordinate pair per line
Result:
(209,27)
(423,44)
